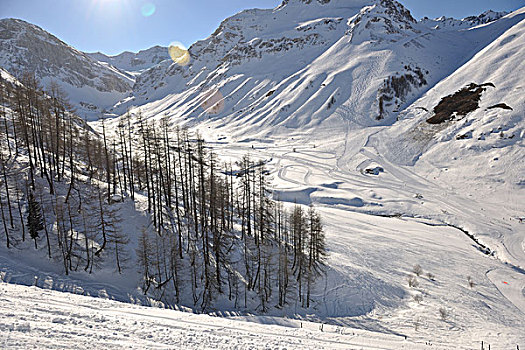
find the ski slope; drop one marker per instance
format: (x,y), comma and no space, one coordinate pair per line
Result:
(393,194)
(65,321)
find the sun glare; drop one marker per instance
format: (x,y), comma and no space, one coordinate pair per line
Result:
(148,9)
(179,54)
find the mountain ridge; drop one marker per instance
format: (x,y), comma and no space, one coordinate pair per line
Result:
(134,63)
(246,62)
(91,86)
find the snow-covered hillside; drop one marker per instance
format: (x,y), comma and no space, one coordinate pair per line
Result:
(310,65)
(407,137)
(478,156)
(90,85)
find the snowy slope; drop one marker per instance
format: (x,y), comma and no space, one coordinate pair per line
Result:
(90,86)
(362,293)
(310,65)
(320,156)
(314,119)
(134,63)
(74,321)
(479,156)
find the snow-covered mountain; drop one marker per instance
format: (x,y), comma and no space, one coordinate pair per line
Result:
(448,23)
(406,135)
(90,85)
(134,63)
(312,64)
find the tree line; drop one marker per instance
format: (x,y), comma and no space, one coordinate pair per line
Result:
(213,229)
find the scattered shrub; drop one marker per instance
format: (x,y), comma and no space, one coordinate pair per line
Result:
(418,270)
(412,282)
(443,314)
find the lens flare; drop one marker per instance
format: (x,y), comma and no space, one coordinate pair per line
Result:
(147,9)
(213,102)
(179,54)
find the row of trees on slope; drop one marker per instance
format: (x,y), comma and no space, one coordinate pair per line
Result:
(213,231)
(52,164)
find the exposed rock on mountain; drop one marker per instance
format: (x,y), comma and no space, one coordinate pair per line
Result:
(91,86)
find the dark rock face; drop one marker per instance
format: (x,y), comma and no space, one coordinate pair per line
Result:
(502,106)
(398,12)
(460,103)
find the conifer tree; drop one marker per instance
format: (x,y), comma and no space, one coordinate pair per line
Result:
(35,221)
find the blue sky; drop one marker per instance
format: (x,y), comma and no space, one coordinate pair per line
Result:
(113,26)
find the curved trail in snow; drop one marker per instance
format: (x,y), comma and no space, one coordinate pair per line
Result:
(304,170)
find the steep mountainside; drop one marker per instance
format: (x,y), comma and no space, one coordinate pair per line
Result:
(308,65)
(90,85)
(134,63)
(477,153)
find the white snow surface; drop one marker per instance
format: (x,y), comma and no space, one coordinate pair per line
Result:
(7,76)
(36,318)
(134,63)
(433,188)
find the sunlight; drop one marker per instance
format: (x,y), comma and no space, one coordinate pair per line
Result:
(147,9)
(213,102)
(179,54)
(108,8)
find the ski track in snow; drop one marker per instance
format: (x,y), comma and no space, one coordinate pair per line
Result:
(31,317)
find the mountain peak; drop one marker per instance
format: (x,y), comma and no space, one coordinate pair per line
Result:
(27,47)
(383,19)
